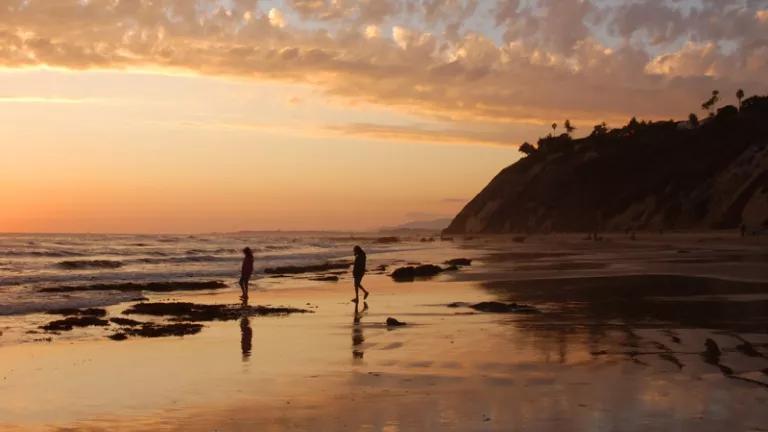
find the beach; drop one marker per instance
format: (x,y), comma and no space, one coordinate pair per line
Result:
(665,332)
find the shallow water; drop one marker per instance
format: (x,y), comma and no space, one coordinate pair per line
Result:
(572,367)
(29,263)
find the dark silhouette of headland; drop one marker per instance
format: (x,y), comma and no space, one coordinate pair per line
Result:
(692,174)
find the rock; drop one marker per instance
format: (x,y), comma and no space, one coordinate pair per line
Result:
(69,323)
(151,286)
(184,311)
(125,322)
(153,330)
(392,322)
(118,336)
(459,262)
(79,312)
(312,268)
(90,264)
(408,274)
(497,307)
(387,240)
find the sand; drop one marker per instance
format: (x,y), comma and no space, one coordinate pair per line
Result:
(620,344)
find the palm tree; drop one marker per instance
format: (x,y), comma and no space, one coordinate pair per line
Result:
(527,148)
(693,120)
(568,127)
(554,127)
(739,96)
(709,105)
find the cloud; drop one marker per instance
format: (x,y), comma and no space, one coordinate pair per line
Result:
(424,134)
(467,64)
(42,100)
(762,16)
(276,18)
(372,31)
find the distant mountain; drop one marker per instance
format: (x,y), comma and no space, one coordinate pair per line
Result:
(657,175)
(434,225)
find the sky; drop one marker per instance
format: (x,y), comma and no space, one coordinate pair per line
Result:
(224,115)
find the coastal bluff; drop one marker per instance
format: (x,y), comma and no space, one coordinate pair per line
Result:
(708,174)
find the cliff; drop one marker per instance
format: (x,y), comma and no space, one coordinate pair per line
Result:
(658,175)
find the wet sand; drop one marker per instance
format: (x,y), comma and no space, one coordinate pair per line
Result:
(620,343)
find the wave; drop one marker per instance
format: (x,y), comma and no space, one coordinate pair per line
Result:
(31,304)
(89,264)
(51,254)
(218,251)
(184,259)
(133,286)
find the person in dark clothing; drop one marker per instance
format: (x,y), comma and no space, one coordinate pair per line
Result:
(358,271)
(245,274)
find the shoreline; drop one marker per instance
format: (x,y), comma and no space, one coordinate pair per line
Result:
(570,366)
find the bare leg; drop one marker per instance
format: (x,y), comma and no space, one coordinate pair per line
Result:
(365,296)
(357,294)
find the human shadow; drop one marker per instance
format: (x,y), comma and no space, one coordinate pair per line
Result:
(246,338)
(357,332)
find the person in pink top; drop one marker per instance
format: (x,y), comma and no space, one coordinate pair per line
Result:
(246,272)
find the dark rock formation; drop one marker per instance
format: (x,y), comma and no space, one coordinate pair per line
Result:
(657,175)
(496,307)
(392,322)
(408,274)
(69,323)
(184,311)
(459,262)
(125,322)
(90,264)
(153,330)
(97,312)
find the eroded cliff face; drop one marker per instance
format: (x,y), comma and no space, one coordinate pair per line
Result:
(662,175)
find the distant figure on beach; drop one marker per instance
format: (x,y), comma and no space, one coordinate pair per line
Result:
(358,271)
(245,274)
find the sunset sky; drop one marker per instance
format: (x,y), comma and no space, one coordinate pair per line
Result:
(221,115)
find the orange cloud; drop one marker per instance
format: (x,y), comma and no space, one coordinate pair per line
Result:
(548,66)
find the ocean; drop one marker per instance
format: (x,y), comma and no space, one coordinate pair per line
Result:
(34,265)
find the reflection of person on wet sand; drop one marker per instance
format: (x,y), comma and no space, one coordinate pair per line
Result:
(357,331)
(245,274)
(358,271)
(246,336)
